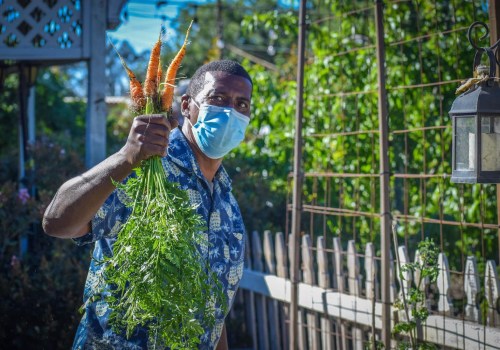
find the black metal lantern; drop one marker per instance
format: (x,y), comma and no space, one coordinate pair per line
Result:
(475,118)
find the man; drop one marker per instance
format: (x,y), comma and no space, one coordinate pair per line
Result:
(216,111)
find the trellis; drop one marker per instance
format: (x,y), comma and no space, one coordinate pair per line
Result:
(413,189)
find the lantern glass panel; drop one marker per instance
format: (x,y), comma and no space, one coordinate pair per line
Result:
(465,141)
(490,143)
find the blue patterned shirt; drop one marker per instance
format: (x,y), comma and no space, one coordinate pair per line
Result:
(224,248)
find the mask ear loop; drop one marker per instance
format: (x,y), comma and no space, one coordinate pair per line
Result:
(196,104)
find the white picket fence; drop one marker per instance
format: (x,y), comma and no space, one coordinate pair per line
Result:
(338,308)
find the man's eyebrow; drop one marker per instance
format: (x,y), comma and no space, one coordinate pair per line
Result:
(220,90)
(210,91)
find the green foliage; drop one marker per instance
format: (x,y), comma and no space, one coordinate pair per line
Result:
(413,304)
(377,345)
(61,121)
(42,289)
(204,46)
(17,214)
(424,45)
(118,123)
(9,112)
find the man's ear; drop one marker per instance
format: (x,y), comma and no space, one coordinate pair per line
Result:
(185,105)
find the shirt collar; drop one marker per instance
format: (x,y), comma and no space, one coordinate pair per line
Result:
(180,153)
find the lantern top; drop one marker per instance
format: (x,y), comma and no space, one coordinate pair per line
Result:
(480,94)
(484,98)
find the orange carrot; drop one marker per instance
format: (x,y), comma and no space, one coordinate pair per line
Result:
(150,83)
(168,92)
(136,94)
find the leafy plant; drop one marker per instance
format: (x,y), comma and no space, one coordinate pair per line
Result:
(414,306)
(159,279)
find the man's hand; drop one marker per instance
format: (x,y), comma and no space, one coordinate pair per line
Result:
(148,137)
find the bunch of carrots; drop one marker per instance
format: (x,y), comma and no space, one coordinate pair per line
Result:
(159,279)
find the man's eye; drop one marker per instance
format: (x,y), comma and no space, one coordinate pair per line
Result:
(217,98)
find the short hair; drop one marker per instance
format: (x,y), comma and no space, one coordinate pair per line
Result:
(228,66)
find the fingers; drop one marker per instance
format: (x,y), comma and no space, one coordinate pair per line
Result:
(148,137)
(155,124)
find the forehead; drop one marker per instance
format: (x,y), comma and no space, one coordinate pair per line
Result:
(224,82)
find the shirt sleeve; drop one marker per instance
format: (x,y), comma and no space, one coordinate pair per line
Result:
(108,220)
(238,224)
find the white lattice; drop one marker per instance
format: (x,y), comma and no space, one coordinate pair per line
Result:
(41,29)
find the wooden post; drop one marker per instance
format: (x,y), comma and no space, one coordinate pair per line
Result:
(297,178)
(282,271)
(300,341)
(324,282)
(385,215)
(338,268)
(425,280)
(471,289)
(371,285)
(354,289)
(95,141)
(250,300)
(272,305)
(492,291)
(260,301)
(309,278)
(393,291)
(443,284)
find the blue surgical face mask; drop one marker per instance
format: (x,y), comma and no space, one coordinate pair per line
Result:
(218,130)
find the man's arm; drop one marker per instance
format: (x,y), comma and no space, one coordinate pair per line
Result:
(74,205)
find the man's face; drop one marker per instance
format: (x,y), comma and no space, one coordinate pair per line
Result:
(221,89)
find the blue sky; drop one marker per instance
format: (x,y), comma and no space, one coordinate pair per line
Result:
(145,19)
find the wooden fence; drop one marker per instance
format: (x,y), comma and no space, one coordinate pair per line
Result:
(339,306)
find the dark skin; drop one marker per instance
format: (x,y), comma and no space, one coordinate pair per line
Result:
(70,212)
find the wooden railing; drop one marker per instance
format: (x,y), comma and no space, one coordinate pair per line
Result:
(339,299)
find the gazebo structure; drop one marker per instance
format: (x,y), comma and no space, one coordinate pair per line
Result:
(35,33)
